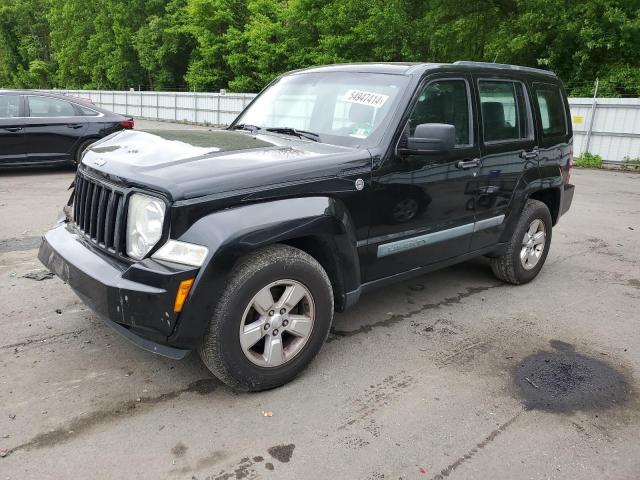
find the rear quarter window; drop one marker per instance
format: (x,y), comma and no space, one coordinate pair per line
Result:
(551,109)
(87,112)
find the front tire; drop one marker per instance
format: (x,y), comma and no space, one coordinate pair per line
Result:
(271,320)
(528,247)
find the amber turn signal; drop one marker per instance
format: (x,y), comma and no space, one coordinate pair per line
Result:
(181,296)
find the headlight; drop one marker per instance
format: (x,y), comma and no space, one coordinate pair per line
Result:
(144,224)
(181,252)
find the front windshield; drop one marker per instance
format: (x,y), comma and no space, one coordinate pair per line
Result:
(341,108)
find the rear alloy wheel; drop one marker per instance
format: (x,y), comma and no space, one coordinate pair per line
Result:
(533,244)
(528,247)
(271,320)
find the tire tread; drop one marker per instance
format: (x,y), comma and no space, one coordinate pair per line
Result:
(504,266)
(210,348)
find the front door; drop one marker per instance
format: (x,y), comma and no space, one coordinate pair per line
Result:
(12,145)
(53,129)
(423,205)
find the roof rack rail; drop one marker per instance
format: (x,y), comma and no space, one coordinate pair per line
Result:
(505,67)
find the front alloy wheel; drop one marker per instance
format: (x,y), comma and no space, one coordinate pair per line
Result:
(271,319)
(277,323)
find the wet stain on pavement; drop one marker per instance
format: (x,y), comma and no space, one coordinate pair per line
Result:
(634,282)
(376,397)
(20,244)
(84,423)
(564,381)
(479,446)
(204,386)
(393,319)
(179,450)
(282,453)
(43,340)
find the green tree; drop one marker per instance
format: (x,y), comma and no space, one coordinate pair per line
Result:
(211,23)
(25,50)
(164,46)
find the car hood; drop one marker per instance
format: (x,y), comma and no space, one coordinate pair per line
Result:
(186,164)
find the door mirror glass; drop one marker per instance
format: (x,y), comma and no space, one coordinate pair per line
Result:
(432,138)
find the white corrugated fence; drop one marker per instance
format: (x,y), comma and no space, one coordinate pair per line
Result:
(209,108)
(609,127)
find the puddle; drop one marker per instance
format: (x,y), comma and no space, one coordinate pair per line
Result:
(565,381)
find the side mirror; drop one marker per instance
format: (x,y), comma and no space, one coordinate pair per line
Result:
(431,138)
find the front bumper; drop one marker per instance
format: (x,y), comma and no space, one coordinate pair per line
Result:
(134,299)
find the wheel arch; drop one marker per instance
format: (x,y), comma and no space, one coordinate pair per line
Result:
(320,226)
(83,141)
(551,198)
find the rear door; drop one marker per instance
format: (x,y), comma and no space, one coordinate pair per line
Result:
(53,129)
(12,144)
(509,151)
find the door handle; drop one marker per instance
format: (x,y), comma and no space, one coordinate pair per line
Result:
(12,129)
(75,125)
(467,164)
(530,155)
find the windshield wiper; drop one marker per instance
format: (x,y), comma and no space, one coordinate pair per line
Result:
(294,131)
(245,126)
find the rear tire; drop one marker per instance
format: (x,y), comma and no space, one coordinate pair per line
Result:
(251,304)
(528,247)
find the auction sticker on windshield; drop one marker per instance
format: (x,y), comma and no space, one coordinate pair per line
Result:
(372,99)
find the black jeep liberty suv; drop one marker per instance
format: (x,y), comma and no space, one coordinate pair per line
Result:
(241,243)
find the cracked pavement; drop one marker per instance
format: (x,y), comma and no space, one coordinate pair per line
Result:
(419,380)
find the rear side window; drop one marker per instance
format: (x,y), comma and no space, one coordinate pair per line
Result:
(87,112)
(503,110)
(50,107)
(9,106)
(444,101)
(550,109)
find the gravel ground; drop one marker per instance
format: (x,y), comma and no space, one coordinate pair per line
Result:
(450,375)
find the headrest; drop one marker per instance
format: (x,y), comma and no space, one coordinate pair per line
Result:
(493,113)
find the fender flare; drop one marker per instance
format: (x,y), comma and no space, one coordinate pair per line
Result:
(234,232)
(529,183)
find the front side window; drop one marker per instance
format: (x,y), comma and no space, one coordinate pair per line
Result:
(342,108)
(443,101)
(50,107)
(9,106)
(503,109)
(550,109)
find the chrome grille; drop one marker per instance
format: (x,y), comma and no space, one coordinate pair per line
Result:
(98,210)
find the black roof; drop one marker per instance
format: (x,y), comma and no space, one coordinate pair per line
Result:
(409,68)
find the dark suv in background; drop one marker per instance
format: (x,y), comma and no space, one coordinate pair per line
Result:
(38,128)
(335,180)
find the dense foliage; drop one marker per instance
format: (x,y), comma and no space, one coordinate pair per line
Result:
(242,44)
